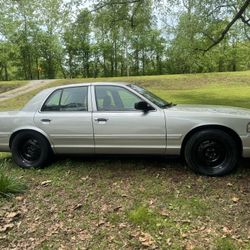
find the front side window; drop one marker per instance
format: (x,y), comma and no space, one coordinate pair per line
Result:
(68,99)
(115,98)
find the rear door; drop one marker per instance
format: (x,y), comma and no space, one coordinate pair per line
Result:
(119,128)
(67,119)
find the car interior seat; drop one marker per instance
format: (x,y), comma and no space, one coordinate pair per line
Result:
(107,102)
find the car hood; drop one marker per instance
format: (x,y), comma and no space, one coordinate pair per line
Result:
(212,109)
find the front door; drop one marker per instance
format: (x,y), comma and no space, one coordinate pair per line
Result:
(120,128)
(66,119)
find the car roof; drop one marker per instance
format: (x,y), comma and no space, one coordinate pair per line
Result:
(91,83)
(35,101)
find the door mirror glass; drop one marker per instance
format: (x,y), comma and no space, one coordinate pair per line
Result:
(144,106)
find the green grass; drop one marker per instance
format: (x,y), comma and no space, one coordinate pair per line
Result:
(7,86)
(143,216)
(10,185)
(122,199)
(225,244)
(230,88)
(193,206)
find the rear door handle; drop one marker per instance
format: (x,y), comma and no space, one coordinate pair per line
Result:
(101,119)
(45,120)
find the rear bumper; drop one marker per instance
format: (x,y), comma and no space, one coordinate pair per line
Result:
(4,142)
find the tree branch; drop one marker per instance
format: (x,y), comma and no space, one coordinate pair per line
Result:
(245,21)
(220,7)
(101,6)
(245,31)
(238,15)
(132,20)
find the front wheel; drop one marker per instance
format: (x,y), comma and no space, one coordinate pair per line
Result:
(211,152)
(30,149)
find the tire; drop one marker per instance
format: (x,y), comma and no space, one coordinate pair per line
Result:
(30,150)
(211,152)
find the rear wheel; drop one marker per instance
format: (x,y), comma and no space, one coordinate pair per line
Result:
(30,149)
(211,152)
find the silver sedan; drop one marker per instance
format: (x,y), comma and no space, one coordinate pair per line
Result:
(120,118)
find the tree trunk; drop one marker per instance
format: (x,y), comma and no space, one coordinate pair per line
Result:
(37,69)
(6,74)
(115,58)
(143,62)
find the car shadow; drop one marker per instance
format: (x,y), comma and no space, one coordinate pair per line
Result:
(150,162)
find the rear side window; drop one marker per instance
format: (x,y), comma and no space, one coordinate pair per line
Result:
(52,103)
(68,99)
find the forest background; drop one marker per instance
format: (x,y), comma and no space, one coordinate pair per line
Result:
(107,38)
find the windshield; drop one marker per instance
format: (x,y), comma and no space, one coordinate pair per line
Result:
(150,96)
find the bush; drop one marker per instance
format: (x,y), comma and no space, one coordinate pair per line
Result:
(10,185)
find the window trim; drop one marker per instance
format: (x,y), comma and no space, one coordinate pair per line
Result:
(120,111)
(62,89)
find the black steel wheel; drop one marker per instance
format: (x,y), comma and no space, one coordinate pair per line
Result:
(211,152)
(30,149)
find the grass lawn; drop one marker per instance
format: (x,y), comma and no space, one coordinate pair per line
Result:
(7,86)
(133,202)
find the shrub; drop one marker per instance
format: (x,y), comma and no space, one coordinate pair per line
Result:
(10,185)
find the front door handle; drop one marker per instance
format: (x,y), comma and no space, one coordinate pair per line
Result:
(45,120)
(101,119)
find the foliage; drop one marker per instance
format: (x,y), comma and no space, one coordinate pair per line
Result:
(10,185)
(52,39)
(133,202)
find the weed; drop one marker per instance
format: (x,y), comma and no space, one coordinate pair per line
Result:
(10,185)
(225,244)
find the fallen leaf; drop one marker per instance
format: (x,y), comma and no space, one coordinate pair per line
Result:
(83,235)
(45,183)
(117,208)
(101,223)
(164,213)
(183,235)
(189,246)
(135,234)
(12,215)
(226,230)
(169,242)
(147,240)
(77,207)
(104,208)
(19,198)
(152,201)
(122,225)
(6,227)
(85,178)
(235,199)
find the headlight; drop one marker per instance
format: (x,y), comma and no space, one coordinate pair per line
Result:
(248,127)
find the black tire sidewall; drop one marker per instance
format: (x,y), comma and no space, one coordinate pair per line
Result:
(19,140)
(232,152)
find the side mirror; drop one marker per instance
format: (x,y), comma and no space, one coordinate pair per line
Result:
(144,106)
